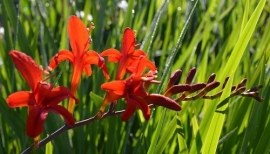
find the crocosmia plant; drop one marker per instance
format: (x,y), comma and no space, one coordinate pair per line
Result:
(133,97)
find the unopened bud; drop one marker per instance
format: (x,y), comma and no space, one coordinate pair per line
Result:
(211,86)
(196,87)
(176,89)
(225,82)
(211,78)
(190,75)
(174,78)
(242,83)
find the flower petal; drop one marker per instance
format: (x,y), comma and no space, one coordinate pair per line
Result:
(141,105)
(78,36)
(130,109)
(20,99)
(162,101)
(118,87)
(93,57)
(61,56)
(28,68)
(35,120)
(57,95)
(122,68)
(150,65)
(75,79)
(113,55)
(63,112)
(42,90)
(110,97)
(87,70)
(128,42)
(138,53)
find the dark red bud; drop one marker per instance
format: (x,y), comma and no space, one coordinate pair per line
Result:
(190,75)
(255,88)
(241,89)
(177,89)
(254,95)
(211,78)
(164,101)
(233,88)
(242,83)
(211,86)
(197,87)
(174,78)
(225,82)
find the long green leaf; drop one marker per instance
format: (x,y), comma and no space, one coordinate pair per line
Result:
(167,68)
(214,131)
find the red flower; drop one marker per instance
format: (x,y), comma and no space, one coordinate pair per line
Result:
(43,97)
(129,57)
(132,90)
(79,57)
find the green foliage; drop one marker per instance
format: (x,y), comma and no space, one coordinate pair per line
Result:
(229,38)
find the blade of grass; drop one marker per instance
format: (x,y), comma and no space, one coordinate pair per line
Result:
(16,25)
(217,121)
(49,148)
(167,135)
(166,70)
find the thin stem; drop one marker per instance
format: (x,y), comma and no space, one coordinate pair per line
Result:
(77,124)
(67,127)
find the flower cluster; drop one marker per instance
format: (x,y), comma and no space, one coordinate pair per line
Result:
(131,81)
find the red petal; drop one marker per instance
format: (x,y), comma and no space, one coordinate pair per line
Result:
(141,66)
(61,56)
(130,109)
(122,68)
(27,67)
(162,101)
(150,65)
(128,42)
(42,90)
(76,77)
(137,89)
(118,87)
(110,97)
(113,54)
(87,70)
(128,47)
(78,36)
(57,95)
(138,53)
(142,105)
(93,57)
(20,99)
(64,113)
(35,121)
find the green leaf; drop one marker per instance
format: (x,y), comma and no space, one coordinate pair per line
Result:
(166,71)
(96,99)
(167,135)
(49,148)
(217,121)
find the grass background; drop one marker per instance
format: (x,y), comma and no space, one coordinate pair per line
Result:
(226,37)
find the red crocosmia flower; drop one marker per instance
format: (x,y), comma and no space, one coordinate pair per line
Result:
(132,90)
(79,57)
(43,97)
(129,57)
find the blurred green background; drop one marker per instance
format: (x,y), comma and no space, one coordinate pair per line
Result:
(226,37)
